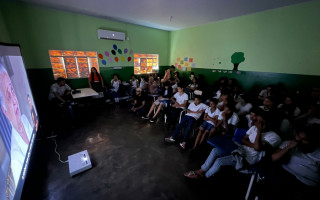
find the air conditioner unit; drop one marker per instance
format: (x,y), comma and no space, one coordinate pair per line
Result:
(111,35)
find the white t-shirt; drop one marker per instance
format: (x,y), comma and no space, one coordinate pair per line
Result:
(251,155)
(19,149)
(55,88)
(249,120)
(296,112)
(193,107)
(115,85)
(243,109)
(181,98)
(142,83)
(212,114)
(192,86)
(135,83)
(218,94)
(304,166)
(233,120)
(264,93)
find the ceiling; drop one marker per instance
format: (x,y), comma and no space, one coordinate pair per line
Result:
(165,14)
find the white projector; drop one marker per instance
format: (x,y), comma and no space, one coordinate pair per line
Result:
(79,162)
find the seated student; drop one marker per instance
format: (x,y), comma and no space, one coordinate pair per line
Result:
(219,87)
(168,74)
(195,109)
(157,79)
(175,81)
(191,88)
(134,83)
(223,100)
(252,117)
(191,77)
(251,150)
(152,86)
(60,92)
(265,92)
(227,121)
(267,104)
(288,111)
(139,102)
(95,80)
(243,107)
(164,99)
(179,101)
(193,85)
(210,119)
(114,91)
(295,172)
(311,117)
(271,112)
(143,84)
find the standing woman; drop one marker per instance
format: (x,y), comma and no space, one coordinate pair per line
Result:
(95,80)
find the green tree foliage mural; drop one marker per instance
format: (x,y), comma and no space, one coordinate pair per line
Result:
(236,59)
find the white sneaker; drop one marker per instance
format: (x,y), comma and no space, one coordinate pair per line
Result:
(169,140)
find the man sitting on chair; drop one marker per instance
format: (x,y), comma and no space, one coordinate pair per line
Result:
(194,112)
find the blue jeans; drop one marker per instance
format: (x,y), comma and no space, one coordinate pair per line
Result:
(185,120)
(215,161)
(139,111)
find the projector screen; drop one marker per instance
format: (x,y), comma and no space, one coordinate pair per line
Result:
(18,122)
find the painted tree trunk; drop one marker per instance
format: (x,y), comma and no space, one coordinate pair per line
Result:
(235,66)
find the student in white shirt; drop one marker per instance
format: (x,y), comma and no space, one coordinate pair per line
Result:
(243,107)
(251,151)
(143,84)
(134,84)
(115,84)
(227,121)
(265,92)
(252,117)
(296,168)
(179,100)
(210,119)
(194,112)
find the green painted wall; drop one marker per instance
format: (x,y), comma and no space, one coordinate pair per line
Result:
(39,29)
(283,40)
(4,35)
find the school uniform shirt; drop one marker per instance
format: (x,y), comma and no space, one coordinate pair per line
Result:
(142,83)
(192,86)
(251,155)
(115,85)
(181,98)
(55,88)
(243,109)
(249,121)
(264,93)
(212,114)
(19,148)
(134,83)
(233,120)
(304,166)
(193,107)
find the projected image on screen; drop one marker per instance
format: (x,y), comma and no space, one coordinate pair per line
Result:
(18,122)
